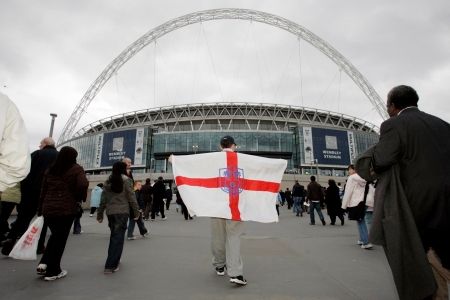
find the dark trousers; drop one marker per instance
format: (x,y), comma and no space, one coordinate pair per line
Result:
(5,213)
(60,229)
(118,225)
(184,211)
(168,203)
(278,209)
(93,209)
(333,217)
(25,213)
(158,205)
(148,208)
(76,225)
(140,224)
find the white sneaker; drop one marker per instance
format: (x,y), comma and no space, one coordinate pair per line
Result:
(367,246)
(359,243)
(165,218)
(41,268)
(239,280)
(60,275)
(130,238)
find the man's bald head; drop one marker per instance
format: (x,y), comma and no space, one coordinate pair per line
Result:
(48,141)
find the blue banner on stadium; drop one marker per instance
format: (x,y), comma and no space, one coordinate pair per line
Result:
(330,146)
(117,145)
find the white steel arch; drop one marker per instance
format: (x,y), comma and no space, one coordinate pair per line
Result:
(219,14)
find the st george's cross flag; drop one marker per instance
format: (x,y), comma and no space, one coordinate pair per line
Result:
(229,185)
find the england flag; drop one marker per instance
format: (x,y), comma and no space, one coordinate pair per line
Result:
(229,185)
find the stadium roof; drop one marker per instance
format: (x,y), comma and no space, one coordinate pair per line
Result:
(226,116)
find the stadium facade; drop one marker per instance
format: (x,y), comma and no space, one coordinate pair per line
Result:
(312,141)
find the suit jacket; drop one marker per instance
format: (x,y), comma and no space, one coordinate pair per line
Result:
(40,160)
(412,197)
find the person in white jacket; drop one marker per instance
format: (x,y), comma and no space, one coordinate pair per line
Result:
(14,147)
(354,193)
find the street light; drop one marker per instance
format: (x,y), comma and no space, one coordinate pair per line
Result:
(52,124)
(317,168)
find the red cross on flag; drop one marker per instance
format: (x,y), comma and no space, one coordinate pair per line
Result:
(229,185)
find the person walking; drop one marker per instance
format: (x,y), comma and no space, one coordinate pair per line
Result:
(146,193)
(30,189)
(159,193)
(169,197)
(96,194)
(298,194)
(315,196)
(288,196)
(140,222)
(333,202)
(117,200)
(412,198)
(63,187)
(184,209)
(278,203)
(226,238)
(355,192)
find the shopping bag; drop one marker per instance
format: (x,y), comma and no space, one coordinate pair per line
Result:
(26,247)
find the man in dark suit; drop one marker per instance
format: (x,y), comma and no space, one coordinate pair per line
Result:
(412,199)
(30,189)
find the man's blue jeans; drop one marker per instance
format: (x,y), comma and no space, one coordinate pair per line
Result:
(368,218)
(117,224)
(315,205)
(297,209)
(363,233)
(141,226)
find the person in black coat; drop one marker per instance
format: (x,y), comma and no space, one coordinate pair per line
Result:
(159,193)
(333,202)
(146,193)
(30,189)
(412,198)
(169,197)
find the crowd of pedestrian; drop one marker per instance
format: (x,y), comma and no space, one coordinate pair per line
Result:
(394,202)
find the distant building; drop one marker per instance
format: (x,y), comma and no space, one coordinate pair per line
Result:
(311,140)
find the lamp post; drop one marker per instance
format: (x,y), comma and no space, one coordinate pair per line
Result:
(52,124)
(317,168)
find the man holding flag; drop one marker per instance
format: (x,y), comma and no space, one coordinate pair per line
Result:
(230,188)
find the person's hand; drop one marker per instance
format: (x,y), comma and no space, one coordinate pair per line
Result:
(170,158)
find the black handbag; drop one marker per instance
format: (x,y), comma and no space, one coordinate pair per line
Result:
(358,212)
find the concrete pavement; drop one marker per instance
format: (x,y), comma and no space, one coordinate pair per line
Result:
(287,260)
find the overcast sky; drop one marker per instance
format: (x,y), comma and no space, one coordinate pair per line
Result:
(51,51)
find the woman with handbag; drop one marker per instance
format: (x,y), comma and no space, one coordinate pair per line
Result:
(354,201)
(117,199)
(64,185)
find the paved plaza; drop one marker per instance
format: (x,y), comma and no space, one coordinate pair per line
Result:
(287,260)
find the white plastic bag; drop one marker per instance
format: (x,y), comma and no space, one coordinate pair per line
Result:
(26,247)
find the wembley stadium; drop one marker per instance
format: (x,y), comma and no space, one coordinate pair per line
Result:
(312,141)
